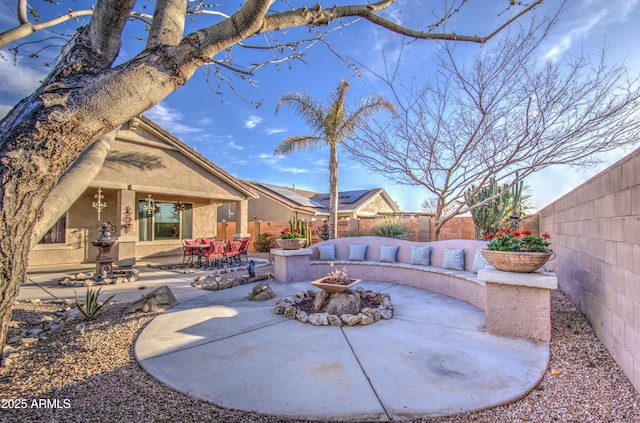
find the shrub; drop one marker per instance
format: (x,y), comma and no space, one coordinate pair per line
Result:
(391,228)
(262,243)
(91,305)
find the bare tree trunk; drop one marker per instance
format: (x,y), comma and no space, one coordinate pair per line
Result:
(72,184)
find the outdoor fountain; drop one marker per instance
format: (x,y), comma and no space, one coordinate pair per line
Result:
(104,260)
(104,273)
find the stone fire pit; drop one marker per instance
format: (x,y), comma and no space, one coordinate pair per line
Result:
(352,307)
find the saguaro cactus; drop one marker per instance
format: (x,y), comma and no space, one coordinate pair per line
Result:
(488,216)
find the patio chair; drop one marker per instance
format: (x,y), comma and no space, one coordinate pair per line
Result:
(233,249)
(189,253)
(244,249)
(214,253)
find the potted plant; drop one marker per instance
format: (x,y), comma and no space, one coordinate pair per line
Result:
(515,251)
(291,239)
(335,281)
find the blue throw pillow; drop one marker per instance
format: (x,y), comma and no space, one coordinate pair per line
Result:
(388,253)
(420,255)
(453,259)
(357,252)
(479,262)
(327,252)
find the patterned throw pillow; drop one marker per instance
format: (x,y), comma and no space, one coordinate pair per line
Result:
(453,259)
(357,252)
(479,262)
(327,252)
(420,255)
(388,253)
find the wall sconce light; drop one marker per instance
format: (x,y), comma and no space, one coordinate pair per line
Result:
(149,208)
(127,219)
(99,205)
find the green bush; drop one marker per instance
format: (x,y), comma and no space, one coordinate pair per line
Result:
(91,305)
(262,243)
(391,228)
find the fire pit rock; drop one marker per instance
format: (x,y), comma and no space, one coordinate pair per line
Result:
(351,308)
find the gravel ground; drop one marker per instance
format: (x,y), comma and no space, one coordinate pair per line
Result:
(91,376)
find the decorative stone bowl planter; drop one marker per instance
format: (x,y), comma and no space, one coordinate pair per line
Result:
(333,287)
(516,261)
(291,244)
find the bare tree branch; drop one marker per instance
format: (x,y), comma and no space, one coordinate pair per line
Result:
(505,115)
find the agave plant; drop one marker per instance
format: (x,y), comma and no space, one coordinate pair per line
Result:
(391,228)
(91,305)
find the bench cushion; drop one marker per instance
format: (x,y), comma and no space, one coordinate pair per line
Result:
(453,259)
(388,253)
(420,255)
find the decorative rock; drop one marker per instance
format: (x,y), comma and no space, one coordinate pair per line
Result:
(342,303)
(386,313)
(160,299)
(290,312)
(302,316)
(365,319)
(373,312)
(335,321)
(262,292)
(319,319)
(350,319)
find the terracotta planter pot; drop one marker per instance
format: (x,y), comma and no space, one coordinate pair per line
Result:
(332,287)
(519,262)
(291,244)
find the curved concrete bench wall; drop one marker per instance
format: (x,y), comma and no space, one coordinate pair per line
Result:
(463,285)
(515,304)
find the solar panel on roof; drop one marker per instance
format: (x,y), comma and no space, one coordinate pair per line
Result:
(353,196)
(292,195)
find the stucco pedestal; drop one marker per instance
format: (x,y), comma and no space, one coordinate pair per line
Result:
(519,304)
(290,264)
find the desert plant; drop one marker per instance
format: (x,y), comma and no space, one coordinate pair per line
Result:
(91,305)
(262,243)
(487,218)
(391,228)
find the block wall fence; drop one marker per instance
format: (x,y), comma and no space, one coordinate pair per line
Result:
(422,228)
(595,232)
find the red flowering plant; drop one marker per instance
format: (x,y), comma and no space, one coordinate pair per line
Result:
(513,240)
(291,234)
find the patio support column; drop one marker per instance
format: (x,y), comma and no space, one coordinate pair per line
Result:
(242,220)
(127,230)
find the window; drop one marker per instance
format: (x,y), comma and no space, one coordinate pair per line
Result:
(57,233)
(166,222)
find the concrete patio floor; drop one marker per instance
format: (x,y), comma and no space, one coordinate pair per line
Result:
(433,358)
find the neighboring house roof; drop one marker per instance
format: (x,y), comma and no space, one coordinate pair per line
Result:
(192,154)
(316,203)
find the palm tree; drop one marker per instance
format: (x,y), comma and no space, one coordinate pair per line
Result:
(331,125)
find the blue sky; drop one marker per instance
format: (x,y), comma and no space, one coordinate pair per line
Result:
(240,137)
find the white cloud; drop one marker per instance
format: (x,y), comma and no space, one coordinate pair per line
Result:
(252,121)
(235,146)
(583,18)
(23,79)
(171,120)
(271,131)
(295,170)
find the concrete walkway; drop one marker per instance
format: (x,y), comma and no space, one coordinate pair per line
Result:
(433,358)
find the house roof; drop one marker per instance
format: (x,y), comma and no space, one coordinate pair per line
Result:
(317,203)
(192,154)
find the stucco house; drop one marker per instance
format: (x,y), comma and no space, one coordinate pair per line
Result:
(157,190)
(278,203)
